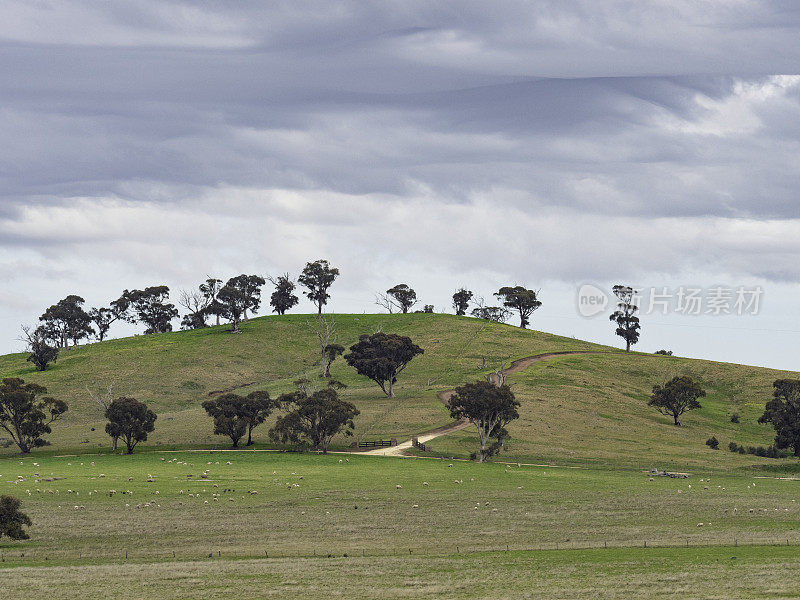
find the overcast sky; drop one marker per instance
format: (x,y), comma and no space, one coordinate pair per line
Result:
(440,144)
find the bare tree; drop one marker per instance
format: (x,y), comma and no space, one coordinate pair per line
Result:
(498,376)
(197,303)
(385,301)
(324,327)
(103,396)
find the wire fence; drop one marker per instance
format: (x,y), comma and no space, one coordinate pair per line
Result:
(20,556)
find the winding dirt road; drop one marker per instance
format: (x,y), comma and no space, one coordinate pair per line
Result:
(515,367)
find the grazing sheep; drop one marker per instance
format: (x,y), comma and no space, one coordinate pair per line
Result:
(424,483)
(398,487)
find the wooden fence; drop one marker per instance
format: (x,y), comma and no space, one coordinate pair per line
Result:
(417,444)
(378,443)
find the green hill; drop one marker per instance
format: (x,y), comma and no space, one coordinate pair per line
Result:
(575,409)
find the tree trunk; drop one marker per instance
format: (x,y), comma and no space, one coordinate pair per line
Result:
(677,422)
(114,444)
(628,348)
(249,436)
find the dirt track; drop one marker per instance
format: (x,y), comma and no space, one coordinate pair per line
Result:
(515,367)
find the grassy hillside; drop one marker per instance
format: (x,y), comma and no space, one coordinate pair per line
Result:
(575,409)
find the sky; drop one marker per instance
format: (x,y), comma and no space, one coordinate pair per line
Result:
(550,144)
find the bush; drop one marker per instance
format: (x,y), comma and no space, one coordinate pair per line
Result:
(735,418)
(712,442)
(768,452)
(664,352)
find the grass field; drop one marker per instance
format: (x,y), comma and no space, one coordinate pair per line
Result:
(571,520)
(307,505)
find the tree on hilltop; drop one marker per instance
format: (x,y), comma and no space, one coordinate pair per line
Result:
(283,298)
(461,300)
(150,306)
(523,300)
(403,296)
(317,277)
(625,316)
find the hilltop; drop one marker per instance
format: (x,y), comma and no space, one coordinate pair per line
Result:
(575,408)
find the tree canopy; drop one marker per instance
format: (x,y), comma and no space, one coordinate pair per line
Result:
(66,321)
(283,298)
(490,408)
(783,411)
(151,307)
(382,357)
(130,421)
(236,416)
(314,419)
(317,277)
(24,415)
(404,297)
(461,301)
(625,316)
(676,396)
(12,520)
(42,351)
(522,300)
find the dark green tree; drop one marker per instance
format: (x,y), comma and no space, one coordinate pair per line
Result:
(404,297)
(42,350)
(382,357)
(12,520)
(490,408)
(231,304)
(317,277)
(130,421)
(66,321)
(25,416)
(210,288)
(151,307)
(283,298)
(522,300)
(249,287)
(256,407)
(229,416)
(783,411)
(625,316)
(676,396)
(104,318)
(313,419)
(461,301)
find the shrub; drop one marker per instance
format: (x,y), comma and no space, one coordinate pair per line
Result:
(742,450)
(712,443)
(735,418)
(664,352)
(733,447)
